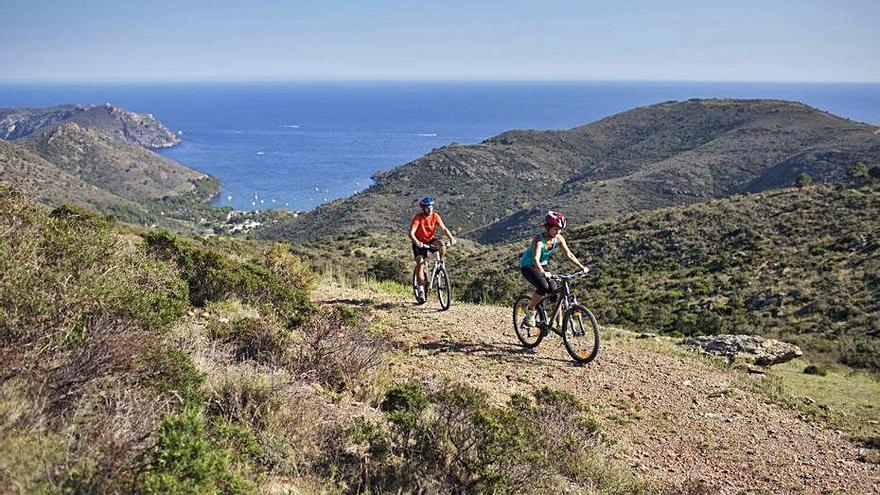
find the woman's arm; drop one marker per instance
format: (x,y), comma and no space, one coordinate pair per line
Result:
(536,252)
(568,253)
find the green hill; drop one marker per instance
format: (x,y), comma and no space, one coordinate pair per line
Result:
(79,165)
(799,264)
(662,155)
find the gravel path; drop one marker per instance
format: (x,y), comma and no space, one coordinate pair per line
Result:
(669,417)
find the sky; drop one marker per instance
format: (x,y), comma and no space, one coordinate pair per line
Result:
(220,40)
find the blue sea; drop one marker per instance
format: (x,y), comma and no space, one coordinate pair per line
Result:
(297,145)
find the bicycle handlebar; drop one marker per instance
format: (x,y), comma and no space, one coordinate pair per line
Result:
(434,248)
(571,275)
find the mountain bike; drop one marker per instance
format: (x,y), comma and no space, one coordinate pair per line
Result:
(579,332)
(439,280)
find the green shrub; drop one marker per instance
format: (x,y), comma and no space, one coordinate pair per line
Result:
(803,180)
(243,399)
(214,277)
(172,371)
(290,268)
(456,441)
(185,461)
(815,370)
(390,269)
(491,287)
(83,216)
(88,273)
(256,339)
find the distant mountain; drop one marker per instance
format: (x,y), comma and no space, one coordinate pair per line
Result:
(662,155)
(121,168)
(112,121)
(51,185)
(72,163)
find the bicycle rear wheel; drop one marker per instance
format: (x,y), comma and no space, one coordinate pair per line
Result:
(444,289)
(580,333)
(529,336)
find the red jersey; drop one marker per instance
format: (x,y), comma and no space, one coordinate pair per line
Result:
(426,226)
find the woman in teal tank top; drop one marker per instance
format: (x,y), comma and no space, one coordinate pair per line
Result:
(533,262)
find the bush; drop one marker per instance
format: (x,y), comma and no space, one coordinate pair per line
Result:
(172,371)
(213,277)
(390,269)
(336,353)
(87,273)
(244,399)
(185,461)
(803,180)
(491,287)
(257,339)
(290,268)
(455,441)
(815,370)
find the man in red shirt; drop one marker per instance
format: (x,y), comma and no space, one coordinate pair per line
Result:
(422,233)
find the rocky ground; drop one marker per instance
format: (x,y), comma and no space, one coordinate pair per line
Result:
(668,416)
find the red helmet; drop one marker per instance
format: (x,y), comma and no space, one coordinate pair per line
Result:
(556,218)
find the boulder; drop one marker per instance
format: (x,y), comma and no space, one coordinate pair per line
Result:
(759,350)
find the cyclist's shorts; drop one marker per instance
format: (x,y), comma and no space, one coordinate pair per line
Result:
(536,278)
(420,251)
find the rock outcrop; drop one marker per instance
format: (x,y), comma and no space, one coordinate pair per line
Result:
(751,348)
(110,120)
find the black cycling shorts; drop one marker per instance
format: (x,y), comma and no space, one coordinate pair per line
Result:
(536,278)
(421,252)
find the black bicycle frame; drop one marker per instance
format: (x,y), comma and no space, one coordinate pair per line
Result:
(566,300)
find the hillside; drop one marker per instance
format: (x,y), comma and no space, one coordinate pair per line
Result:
(153,363)
(662,155)
(121,168)
(112,121)
(51,185)
(69,163)
(670,419)
(798,264)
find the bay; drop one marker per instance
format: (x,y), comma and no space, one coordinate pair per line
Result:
(296,145)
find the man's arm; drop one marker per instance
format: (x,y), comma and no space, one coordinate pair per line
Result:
(446,231)
(412,235)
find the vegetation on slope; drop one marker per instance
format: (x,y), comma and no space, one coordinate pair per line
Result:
(76,165)
(159,364)
(112,121)
(799,264)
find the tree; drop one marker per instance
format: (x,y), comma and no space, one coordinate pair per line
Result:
(859,171)
(803,180)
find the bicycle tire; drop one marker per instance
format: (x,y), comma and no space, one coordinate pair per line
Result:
(444,289)
(415,284)
(582,343)
(528,336)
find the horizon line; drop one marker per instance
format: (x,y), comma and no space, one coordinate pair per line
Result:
(419,80)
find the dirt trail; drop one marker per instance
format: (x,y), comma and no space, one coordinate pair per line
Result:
(668,417)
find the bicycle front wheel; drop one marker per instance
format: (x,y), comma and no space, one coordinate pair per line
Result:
(528,335)
(580,333)
(444,289)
